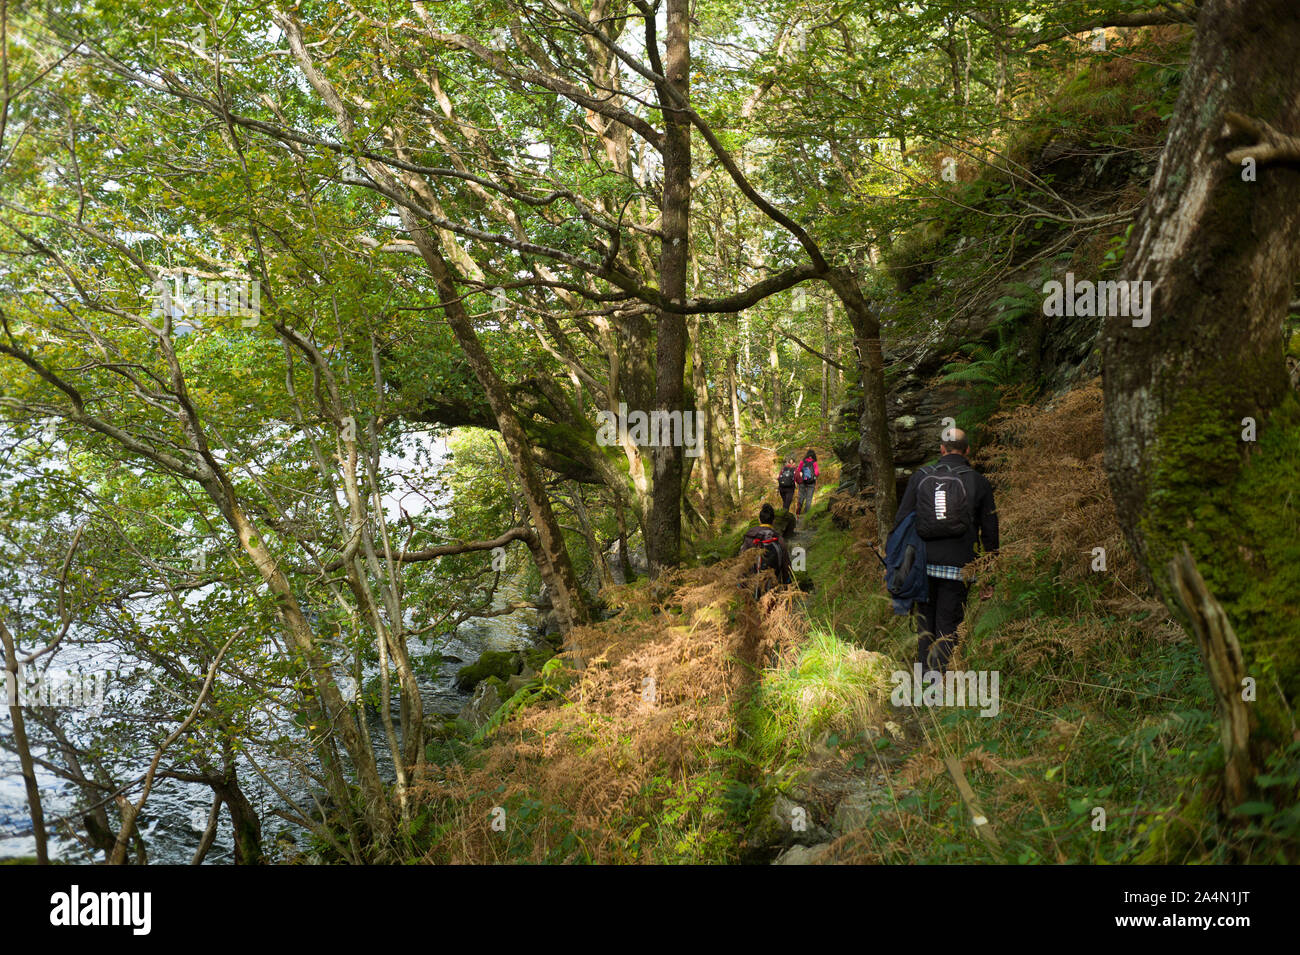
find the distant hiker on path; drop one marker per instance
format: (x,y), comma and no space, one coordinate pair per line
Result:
(806,477)
(954,511)
(785,484)
(769,550)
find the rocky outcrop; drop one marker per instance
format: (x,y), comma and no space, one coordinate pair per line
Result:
(485,701)
(802,855)
(1053,352)
(919,402)
(501,664)
(918,409)
(785,823)
(636,557)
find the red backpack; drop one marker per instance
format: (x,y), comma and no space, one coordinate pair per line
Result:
(770,554)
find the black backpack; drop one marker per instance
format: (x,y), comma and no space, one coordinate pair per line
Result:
(786,478)
(770,556)
(808,475)
(944,505)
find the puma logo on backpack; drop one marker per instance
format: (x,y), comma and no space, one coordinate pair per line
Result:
(943,502)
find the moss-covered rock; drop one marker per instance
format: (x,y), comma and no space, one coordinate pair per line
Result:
(486,701)
(448,727)
(501,664)
(536,657)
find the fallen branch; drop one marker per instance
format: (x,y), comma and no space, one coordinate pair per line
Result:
(1270,146)
(1223,661)
(978,819)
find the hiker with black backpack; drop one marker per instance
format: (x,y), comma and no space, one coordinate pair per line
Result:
(785,484)
(806,477)
(769,550)
(954,511)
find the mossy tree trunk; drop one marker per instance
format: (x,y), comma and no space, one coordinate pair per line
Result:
(663,542)
(1219,241)
(246,825)
(875,423)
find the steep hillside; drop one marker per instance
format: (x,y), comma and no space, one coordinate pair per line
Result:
(963,288)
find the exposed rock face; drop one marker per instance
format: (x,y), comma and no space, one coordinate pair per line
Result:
(1056,352)
(918,411)
(485,702)
(1065,353)
(802,855)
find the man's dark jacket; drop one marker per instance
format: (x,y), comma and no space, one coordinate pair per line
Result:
(959,551)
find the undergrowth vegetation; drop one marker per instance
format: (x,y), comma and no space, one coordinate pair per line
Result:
(1107,732)
(628,758)
(669,730)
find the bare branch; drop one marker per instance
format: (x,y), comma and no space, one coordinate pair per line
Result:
(1270,146)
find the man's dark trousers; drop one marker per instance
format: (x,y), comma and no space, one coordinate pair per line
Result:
(936,623)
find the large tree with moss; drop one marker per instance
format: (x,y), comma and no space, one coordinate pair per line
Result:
(1202,428)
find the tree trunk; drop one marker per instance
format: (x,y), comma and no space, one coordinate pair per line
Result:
(874,425)
(624,558)
(334,710)
(713,472)
(1221,253)
(724,461)
(774,370)
(243,817)
(663,544)
(737,441)
(719,454)
(25,764)
(598,561)
(826,370)
(553,564)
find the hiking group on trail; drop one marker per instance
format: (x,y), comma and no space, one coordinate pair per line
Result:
(802,477)
(946,511)
(771,546)
(945,514)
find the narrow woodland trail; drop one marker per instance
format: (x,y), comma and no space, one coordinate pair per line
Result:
(833,794)
(844,785)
